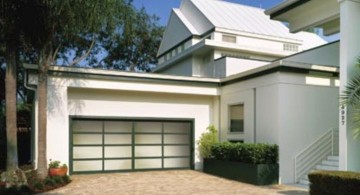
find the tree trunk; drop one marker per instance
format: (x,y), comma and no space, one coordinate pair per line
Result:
(42,113)
(10,101)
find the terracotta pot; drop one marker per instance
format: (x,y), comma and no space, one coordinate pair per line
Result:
(61,171)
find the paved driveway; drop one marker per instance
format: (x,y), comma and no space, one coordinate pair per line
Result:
(166,182)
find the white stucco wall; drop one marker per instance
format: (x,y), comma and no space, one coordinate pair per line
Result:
(105,98)
(288,109)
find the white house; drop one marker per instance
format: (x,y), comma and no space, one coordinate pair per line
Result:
(333,17)
(109,121)
(217,39)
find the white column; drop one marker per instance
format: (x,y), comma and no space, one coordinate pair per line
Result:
(349,52)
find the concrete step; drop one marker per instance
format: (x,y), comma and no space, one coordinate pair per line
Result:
(327,167)
(333,158)
(330,163)
(304,182)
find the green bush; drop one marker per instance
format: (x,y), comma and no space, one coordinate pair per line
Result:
(246,152)
(206,140)
(334,183)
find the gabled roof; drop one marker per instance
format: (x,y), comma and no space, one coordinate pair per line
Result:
(227,15)
(201,16)
(177,30)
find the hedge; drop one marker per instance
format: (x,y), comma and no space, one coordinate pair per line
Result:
(246,152)
(334,183)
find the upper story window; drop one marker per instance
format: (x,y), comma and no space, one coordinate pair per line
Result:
(290,47)
(237,118)
(229,38)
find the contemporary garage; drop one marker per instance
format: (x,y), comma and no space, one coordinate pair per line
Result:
(101,145)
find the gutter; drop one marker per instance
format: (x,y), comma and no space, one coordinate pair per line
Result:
(284,7)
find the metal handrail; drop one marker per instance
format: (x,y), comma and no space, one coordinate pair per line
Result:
(316,152)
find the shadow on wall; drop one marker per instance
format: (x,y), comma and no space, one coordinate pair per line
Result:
(55,102)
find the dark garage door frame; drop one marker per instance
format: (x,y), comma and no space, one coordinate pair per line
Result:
(133,144)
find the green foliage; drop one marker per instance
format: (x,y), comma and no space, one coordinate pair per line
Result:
(246,152)
(56,164)
(49,181)
(334,183)
(350,98)
(207,140)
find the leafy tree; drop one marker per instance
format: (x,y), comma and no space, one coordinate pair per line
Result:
(55,26)
(134,44)
(10,30)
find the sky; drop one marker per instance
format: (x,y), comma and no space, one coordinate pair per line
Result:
(162,8)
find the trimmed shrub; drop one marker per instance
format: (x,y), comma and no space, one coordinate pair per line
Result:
(334,183)
(246,152)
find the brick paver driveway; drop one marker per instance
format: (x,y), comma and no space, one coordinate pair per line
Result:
(166,182)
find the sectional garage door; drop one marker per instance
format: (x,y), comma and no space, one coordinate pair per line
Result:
(128,145)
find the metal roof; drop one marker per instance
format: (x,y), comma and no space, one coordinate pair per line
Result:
(233,16)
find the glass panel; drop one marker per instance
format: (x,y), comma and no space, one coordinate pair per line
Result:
(147,163)
(176,151)
(147,151)
(118,126)
(177,127)
(237,118)
(117,139)
(81,139)
(147,139)
(87,126)
(117,164)
(87,152)
(176,139)
(93,165)
(176,162)
(154,127)
(117,151)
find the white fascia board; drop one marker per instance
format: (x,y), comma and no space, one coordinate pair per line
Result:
(135,75)
(258,36)
(315,13)
(283,63)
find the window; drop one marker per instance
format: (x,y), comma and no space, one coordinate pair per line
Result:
(237,118)
(229,38)
(236,141)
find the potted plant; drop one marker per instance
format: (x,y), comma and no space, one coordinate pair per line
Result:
(56,170)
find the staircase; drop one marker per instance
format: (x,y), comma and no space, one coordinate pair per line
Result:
(329,164)
(322,154)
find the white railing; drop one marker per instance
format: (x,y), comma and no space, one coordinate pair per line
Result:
(307,159)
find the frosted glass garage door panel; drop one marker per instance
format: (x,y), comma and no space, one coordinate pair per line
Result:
(176,139)
(117,164)
(176,151)
(147,151)
(87,152)
(118,127)
(87,126)
(81,139)
(117,139)
(148,127)
(117,151)
(147,163)
(177,128)
(176,162)
(91,165)
(147,139)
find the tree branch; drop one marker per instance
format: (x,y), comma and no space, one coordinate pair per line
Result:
(85,55)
